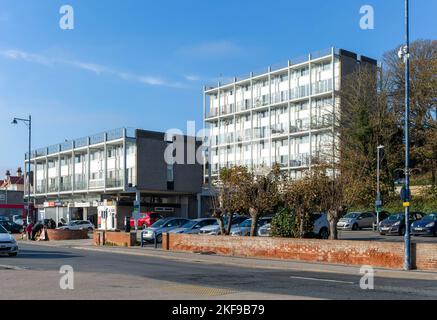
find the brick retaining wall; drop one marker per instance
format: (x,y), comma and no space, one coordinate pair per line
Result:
(121,239)
(59,234)
(378,254)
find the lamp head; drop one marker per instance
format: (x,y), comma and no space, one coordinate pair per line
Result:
(14,121)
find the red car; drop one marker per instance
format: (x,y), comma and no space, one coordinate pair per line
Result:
(146,220)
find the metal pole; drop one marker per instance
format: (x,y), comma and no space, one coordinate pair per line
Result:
(407,239)
(28,168)
(378,193)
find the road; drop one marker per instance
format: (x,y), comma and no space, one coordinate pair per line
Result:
(34,274)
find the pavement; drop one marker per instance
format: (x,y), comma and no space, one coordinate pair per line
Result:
(148,273)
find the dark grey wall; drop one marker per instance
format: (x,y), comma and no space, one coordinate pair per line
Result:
(350,63)
(152,168)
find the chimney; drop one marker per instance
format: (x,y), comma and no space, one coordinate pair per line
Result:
(8,174)
(19,172)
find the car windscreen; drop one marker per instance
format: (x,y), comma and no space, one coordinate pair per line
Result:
(3,230)
(352,215)
(246,223)
(430,217)
(395,217)
(190,224)
(159,223)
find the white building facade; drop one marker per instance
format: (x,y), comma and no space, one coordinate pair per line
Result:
(284,115)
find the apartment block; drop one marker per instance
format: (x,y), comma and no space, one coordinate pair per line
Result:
(110,171)
(282,115)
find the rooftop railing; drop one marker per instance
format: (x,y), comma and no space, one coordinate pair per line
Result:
(275,67)
(111,135)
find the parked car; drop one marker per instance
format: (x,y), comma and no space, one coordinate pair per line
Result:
(12,227)
(426,226)
(356,221)
(382,216)
(244,228)
(214,229)
(146,220)
(78,225)
(194,226)
(18,219)
(162,226)
(265,230)
(320,227)
(395,223)
(8,244)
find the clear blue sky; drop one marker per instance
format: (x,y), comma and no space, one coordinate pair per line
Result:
(141,63)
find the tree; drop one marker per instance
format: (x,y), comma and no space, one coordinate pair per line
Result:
(423,101)
(263,191)
(233,197)
(305,197)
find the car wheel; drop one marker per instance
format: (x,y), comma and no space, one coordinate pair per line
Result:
(435,233)
(13,254)
(324,234)
(159,238)
(355,227)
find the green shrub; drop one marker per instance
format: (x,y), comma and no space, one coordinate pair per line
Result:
(284,224)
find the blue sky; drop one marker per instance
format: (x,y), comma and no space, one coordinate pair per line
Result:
(141,63)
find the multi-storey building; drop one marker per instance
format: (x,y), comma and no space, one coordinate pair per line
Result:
(283,115)
(72,180)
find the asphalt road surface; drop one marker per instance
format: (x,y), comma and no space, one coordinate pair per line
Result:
(35,274)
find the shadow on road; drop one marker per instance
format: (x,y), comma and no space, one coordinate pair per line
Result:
(32,254)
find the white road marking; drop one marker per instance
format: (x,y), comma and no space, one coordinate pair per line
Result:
(322,280)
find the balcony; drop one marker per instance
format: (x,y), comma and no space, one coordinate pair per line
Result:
(300,160)
(52,188)
(97,184)
(114,183)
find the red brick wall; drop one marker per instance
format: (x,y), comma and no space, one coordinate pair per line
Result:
(378,254)
(121,239)
(59,234)
(425,256)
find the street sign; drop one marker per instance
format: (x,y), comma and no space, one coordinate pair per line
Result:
(405,194)
(136,212)
(406,204)
(378,203)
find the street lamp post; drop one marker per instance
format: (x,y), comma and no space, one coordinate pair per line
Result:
(28,123)
(404,53)
(378,203)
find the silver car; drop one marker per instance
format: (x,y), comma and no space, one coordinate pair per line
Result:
(356,221)
(162,226)
(214,229)
(244,228)
(8,244)
(194,226)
